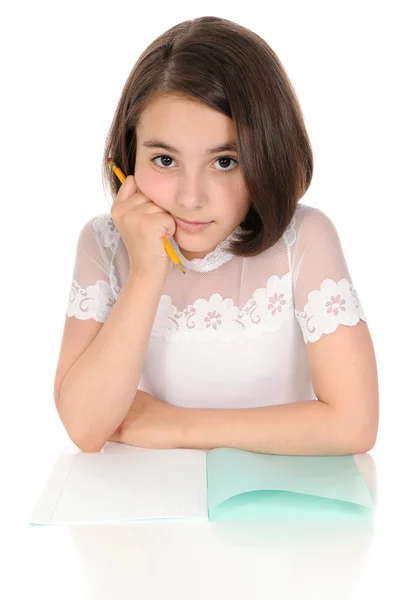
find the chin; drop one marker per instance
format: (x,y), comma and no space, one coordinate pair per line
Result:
(194,245)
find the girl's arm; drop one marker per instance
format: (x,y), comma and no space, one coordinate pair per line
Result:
(344,419)
(302,428)
(99,388)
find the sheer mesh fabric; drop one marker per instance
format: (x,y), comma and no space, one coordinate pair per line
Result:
(232,331)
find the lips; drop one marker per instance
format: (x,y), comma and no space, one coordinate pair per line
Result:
(194,222)
(191,227)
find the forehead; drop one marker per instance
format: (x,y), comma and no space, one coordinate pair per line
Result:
(176,118)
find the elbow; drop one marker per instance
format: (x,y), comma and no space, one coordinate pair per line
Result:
(367,446)
(90,443)
(84,441)
(362,448)
(87,445)
(365,442)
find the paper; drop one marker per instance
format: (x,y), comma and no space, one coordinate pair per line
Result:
(112,488)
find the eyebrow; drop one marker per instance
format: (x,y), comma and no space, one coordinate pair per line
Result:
(154,143)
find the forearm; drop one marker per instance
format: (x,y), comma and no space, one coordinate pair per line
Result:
(98,390)
(302,428)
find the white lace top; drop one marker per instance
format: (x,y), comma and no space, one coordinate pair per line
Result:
(232,331)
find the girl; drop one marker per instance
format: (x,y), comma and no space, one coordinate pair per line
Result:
(262,344)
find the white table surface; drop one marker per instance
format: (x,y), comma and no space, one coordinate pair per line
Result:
(353,560)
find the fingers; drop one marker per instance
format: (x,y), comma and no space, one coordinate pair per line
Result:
(128,197)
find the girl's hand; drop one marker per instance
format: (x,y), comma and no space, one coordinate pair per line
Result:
(142,225)
(150,423)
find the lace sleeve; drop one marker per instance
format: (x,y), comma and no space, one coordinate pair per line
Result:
(324,295)
(91,295)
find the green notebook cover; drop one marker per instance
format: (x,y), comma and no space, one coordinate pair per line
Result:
(249,484)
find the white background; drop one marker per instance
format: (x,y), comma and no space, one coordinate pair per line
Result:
(63,70)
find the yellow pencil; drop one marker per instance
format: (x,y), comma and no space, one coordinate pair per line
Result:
(167,245)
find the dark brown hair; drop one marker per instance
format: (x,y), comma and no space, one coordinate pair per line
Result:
(233,70)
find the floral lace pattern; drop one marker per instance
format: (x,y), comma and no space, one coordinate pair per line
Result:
(105,228)
(219,256)
(218,318)
(95,301)
(332,305)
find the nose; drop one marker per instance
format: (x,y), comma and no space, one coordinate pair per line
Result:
(191,192)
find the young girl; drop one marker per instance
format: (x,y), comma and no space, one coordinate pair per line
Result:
(208,131)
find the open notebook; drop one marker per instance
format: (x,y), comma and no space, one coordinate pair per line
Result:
(147,485)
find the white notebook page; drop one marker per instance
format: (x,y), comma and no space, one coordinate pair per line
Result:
(111,488)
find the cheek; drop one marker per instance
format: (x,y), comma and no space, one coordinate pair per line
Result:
(154,186)
(238,199)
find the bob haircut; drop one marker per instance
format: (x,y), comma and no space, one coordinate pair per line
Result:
(233,70)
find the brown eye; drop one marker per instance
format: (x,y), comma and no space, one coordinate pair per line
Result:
(162,157)
(221,159)
(225,159)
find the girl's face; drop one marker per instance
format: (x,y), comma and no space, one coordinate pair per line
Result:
(189,179)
